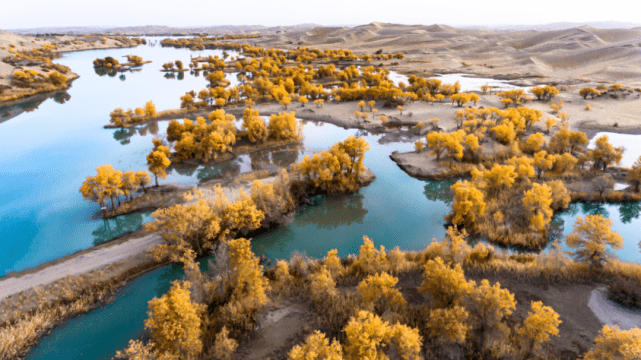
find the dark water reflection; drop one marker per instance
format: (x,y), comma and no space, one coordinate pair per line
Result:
(112,228)
(335,211)
(439,191)
(629,211)
(16,108)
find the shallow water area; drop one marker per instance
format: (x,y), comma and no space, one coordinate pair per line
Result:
(48,152)
(468,82)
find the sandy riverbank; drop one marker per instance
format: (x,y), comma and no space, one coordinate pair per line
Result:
(612,314)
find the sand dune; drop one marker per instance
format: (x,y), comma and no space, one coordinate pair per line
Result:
(580,54)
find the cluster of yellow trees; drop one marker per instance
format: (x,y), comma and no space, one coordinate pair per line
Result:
(199,43)
(110,184)
(206,139)
(452,316)
(135,60)
(300,54)
(269,79)
(31,78)
(336,170)
(508,200)
(122,118)
(602,90)
(108,62)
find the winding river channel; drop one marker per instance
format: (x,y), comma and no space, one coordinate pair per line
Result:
(49,150)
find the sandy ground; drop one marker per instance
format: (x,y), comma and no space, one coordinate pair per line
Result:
(568,56)
(79,263)
(610,313)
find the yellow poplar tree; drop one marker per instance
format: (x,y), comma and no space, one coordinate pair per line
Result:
(615,344)
(591,237)
(368,335)
(255,125)
(175,322)
(538,201)
(158,164)
(446,285)
(468,203)
(634,175)
(317,347)
(537,328)
(604,154)
(449,324)
(150,109)
(322,286)
(379,290)
(489,305)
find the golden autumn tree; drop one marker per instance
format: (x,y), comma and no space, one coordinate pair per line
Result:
(537,201)
(150,109)
(143,179)
(496,179)
(158,164)
(322,286)
(591,238)
(537,328)
(468,203)
(542,162)
(224,346)
(523,167)
(370,260)
(247,273)
(96,188)
(449,325)
(436,142)
(615,344)
(444,284)
(378,292)
(604,154)
(175,322)
(184,227)
(255,125)
(283,126)
(355,148)
(560,195)
(317,347)
(634,175)
(488,307)
(333,263)
(533,144)
(368,336)
(273,200)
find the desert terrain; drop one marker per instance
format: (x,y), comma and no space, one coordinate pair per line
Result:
(569,59)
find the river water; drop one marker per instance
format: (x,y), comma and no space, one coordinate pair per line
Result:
(49,151)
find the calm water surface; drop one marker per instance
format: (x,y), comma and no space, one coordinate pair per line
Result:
(49,151)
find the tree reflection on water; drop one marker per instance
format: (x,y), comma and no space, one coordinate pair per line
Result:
(333,211)
(439,191)
(123,135)
(120,225)
(629,211)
